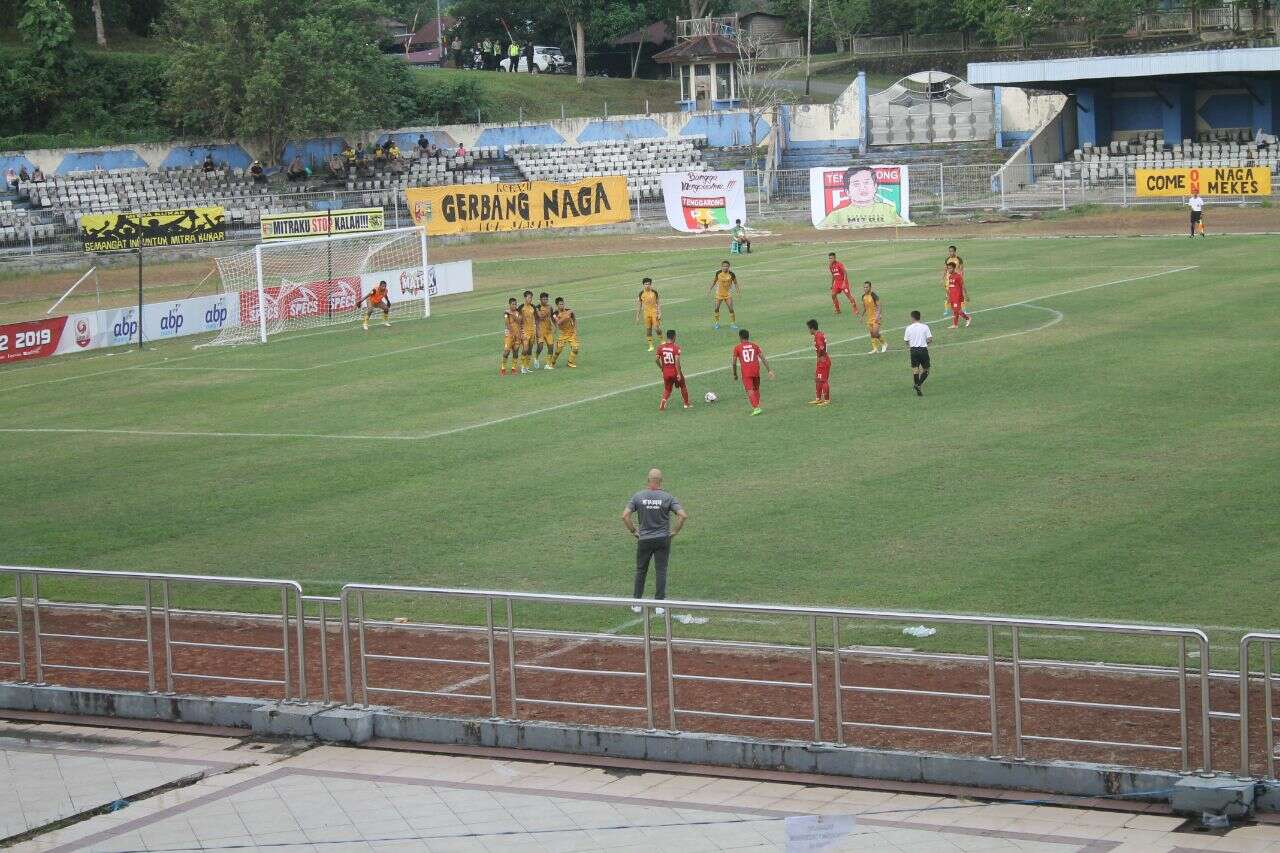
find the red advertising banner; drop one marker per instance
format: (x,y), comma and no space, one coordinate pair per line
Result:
(314,299)
(36,339)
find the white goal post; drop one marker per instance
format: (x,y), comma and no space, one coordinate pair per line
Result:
(318,281)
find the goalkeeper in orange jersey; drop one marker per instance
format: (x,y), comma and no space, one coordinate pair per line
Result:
(376,299)
(567,332)
(512,338)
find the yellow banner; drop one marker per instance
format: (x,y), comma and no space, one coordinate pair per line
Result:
(471,208)
(285,226)
(1206,180)
(114,232)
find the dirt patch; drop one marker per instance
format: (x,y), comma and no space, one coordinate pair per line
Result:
(546,681)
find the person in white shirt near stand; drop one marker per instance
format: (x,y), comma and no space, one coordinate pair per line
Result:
(917,338)
(1197,213)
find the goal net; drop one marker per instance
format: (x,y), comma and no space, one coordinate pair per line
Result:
(314,282)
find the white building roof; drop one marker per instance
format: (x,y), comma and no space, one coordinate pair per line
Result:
(1039,71)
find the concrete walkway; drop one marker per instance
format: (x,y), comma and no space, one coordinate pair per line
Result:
(233,794)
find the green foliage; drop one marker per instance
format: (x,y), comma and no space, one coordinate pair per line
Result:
(445,99)
(45,27)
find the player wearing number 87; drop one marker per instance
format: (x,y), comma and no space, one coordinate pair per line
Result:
(668,361)
(750,356)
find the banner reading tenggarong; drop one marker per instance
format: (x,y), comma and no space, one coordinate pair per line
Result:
(115,232)
(859,197)
(704,201)
(475,208)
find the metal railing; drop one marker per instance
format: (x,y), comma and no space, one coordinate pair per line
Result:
(322,624)
(37,658)
(1268,710)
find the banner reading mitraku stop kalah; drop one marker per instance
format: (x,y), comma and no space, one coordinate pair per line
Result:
(478,208)
(1203,180)
(321,223)
(859,197)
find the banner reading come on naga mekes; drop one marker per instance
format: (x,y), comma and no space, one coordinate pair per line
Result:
(704,201)
(859,197)
(115,232)
(474,208)
(1203,180)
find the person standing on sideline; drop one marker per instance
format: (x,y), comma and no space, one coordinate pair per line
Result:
(653,508)
(917,338)
(1197,214)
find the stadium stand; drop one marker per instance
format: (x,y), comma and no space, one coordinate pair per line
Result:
(642,161)
(1223,148)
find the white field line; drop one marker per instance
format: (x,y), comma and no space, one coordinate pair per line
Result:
(545,656)
(389,352)
(533,412)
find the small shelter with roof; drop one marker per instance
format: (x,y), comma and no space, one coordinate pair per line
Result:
(704,59)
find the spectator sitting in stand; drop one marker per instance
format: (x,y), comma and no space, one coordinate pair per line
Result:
(297,171)
(337,168)
(10,179)
(207,166)
(379,155)
(37,177)
(393,150)
(23,174)
(424,145)
(461,152)
(258,174)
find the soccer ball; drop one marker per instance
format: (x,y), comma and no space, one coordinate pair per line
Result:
(710,397)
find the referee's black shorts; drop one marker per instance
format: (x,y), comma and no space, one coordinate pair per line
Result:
(920,357)
(1196,215)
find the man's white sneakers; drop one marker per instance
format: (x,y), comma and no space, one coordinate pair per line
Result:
(635,608)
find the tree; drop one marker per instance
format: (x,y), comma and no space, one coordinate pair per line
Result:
(98,28)
(761,86)
(280,69)
(46,28)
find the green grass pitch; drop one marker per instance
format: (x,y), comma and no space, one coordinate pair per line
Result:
(1102,443)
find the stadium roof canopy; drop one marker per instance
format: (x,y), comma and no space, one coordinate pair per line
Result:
(1064,73)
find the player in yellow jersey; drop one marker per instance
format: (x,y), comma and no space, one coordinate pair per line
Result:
(724,283)
(546,330)
(649,308)
(871,311)
(953,263)
(512,342)
(567,332)
(528,331)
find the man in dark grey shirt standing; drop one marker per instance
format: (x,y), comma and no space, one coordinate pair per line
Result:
(653,508)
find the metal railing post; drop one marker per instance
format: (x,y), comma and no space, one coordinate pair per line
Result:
(22,639)
(168,637)
(1063,182)
(493,661)
(942,189)
(151,657)
(1124,186)
(1017,695)
(671,675)
(35,629)
(511,656)
(284,645)
(1184,729)
(345,616)
(1267,709)
(300,629)
(364,664)
(813,678)
(1000,175)
(648,673)
(1245,769)
(324,651)
(835,677)
(1206,730)
(991,688)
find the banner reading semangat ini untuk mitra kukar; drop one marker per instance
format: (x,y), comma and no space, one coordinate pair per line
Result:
(475,208)
(704,201)
(189,226)
(859,197)
(1206,180)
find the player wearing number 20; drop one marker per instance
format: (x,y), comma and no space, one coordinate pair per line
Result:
(668,359)
(750,357)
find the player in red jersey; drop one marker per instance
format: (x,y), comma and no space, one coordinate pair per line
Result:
(822,372)
(668,359)
(750,356)
(956,298)
(840,284)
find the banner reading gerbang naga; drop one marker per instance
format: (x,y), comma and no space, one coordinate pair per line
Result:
(114,232)
(704,201)
(471,208)
(859,197)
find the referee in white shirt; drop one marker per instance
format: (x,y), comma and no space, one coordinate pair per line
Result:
(1197,213)
(917,338)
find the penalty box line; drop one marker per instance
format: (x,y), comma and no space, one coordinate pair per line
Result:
(533,412)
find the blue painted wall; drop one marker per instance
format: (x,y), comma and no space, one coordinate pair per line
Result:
(725,129)
(231,155)
(315,152)
(15,162)
(525,134)
(1234,110)
(1144,112)
(438,138)
(85,161)
(1093,118)
(631,128)
(997,114)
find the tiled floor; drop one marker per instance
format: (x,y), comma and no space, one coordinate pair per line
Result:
(339,799)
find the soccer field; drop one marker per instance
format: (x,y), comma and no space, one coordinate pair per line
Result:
(1102,443)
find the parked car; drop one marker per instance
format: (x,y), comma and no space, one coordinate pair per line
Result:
(546,60)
